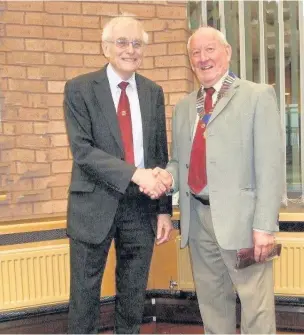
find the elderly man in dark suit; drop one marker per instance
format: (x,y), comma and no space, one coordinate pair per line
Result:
(115,121)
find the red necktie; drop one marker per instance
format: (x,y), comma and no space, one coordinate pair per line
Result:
(197,178)
(125,123)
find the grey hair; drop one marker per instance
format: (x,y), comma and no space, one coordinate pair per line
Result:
(108,28)
(221,37)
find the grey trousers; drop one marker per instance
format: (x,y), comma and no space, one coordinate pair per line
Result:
(216,281)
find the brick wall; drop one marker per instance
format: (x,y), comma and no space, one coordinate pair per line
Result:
(43,44)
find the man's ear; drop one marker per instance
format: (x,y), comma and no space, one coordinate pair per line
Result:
(105,49)
(229,52)
(192,66)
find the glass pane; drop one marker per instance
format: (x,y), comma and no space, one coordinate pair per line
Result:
(249,46)
(232,34)
(293,158)
(194,14)
(213,14)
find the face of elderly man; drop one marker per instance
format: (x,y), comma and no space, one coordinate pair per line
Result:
(209,56)
(124,50)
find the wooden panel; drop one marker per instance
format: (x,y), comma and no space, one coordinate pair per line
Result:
(291,213)
(185,278)
(108,281)
(164,264)
(32,225)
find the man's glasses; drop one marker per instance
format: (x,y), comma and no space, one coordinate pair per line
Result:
(123,43)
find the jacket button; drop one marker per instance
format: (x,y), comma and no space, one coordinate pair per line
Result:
(187,194)
(187,166)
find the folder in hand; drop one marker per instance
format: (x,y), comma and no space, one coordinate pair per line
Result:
(245,257)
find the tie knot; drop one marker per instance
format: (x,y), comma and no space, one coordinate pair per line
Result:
(123,85)
(209,91)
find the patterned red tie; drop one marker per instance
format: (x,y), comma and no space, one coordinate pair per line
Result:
(197,178)
(125,123)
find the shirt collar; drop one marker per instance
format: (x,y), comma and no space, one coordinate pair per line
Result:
(217,86)
(114,78)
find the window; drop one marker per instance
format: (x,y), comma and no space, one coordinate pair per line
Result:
(265,38)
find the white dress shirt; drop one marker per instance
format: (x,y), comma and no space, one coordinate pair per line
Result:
(131,91)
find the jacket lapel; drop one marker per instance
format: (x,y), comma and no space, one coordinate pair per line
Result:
(224,100)
(144,96)
(104,96)
(192,113)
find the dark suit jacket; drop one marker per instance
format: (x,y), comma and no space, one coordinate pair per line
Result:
(100,176)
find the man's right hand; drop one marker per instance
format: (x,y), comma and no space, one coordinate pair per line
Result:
(148,183)
(164,176)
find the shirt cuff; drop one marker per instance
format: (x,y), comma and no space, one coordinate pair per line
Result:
(264,231)
(171,191)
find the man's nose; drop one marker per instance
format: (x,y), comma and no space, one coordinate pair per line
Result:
(130,48)
(204,56)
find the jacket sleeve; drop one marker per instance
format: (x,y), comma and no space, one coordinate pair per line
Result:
(268,160)
(173,165)
(165,202)
(101,167)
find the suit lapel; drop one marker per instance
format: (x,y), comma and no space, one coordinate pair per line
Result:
(224,100)
(144,96)
(192,113)
(104,96)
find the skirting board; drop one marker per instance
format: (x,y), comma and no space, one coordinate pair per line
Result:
(160,306)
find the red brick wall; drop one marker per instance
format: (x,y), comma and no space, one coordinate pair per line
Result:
(42,45)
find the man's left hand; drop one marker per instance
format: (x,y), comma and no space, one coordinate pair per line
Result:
(164,227)
(263,243)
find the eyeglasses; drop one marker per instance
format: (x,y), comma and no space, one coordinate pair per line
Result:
(123,43)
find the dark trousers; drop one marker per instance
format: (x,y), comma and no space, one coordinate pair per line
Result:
(134,240)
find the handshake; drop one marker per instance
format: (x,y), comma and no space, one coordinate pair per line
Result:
(153,182)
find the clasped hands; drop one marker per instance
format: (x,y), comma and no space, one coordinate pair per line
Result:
(153,182)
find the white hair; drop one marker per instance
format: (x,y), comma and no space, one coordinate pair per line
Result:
(109,27)
(221,37)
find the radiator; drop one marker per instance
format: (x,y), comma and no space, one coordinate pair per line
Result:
(288,269)
(34,274)
(38,274)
